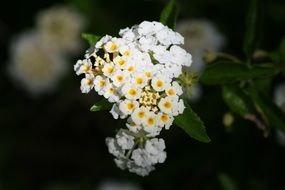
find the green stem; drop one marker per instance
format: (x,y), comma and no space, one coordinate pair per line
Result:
(133,148)
(228,56)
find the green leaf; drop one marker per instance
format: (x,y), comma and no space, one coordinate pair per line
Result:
(253,27)
(102,105)
(90,38)
(229,72)
(192,125)
(274,116)
(169,14)
(237,100)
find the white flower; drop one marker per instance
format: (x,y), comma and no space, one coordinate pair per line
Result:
(160,83)
(131,92)
(150,123)
(121,163)
(127,34)
(155,147)
(161,54)
(102,41)
(147,43)
(179,108)
(130,68)
(141,157)
(146,28)
(140,80)
(108,69)
(164,120)
(120,62)
(114,147)
(142,171)
(124,139)
(167,104)
(83,67)
(87,84)
(174,90)
(33,67)
(115,111)
(133,127)
(119,78)
(60,27)
(127,106)
(179,56)
(164,37)
(99,84)
(126,50)
(112,45)
(109,92)
(139,115)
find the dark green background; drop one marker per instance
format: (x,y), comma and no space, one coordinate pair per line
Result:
(55,141)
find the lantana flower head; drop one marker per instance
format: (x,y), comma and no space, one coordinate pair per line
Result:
(138,72)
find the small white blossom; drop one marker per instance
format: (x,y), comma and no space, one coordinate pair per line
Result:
(155,147)
(142,171)
(127,106)
(114,148)
(83,67)
(87,84)
(132,92)
(160,83)
(125,140)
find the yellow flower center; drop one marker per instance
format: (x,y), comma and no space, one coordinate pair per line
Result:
(110,70)
(171,92)
(121,62)
(111,90)
(85,68)
(164,118)
(167,105)
(120,78)
(130,106)
(113,46)
(139,80)
(159,83)
(148,74)
(141,114)
(102,83)
(126,53)
(131,69)
(132,92)
(149,99)
(89,82)
(150,121)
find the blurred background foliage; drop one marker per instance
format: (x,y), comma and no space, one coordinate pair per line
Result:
(54,142)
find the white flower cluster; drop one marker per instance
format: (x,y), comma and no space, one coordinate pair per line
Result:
(38,57)
(135,153)
(60,28)
(32,67)
(137,73)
